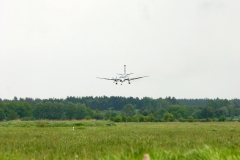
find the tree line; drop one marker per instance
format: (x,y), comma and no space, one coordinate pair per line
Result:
(119,108)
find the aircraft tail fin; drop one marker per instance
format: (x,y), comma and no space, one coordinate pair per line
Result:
(124,69)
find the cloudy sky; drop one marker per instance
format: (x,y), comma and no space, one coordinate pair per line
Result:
(188,48)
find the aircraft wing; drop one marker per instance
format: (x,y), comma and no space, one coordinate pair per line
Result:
(107,78)
(137,78)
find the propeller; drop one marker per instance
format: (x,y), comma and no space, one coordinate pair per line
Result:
(115,80)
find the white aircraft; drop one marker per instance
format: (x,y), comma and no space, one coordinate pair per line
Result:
(122,77)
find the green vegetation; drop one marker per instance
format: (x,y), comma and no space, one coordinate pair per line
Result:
(92,139)
(121,109)
(108,128)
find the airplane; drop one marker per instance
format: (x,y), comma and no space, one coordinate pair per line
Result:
(122,77)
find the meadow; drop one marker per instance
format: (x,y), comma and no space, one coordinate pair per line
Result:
(94,140)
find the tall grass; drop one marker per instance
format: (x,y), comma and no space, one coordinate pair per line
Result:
(47,123)
(125,141)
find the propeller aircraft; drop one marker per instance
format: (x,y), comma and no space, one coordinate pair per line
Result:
(122,77)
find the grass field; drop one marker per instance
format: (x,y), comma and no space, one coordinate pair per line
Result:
(94,140)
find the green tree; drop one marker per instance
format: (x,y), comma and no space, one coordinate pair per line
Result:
(81,111)
(110,113)
(87,117)
(171,100)
(190,119)
(182,119)
(70,110)
(53,110)
(183,112)
(159,114)
(208,112)
(136,117)
(128,110)
(90,112)
(148,106)
(231,110)
(98,115)
(15,98)
(222,118)
(39,111)
(141,118)
(129,119)
(27,110)
(118,118)
(124,118)
(224,111)
(12,115)
(197,114)
(168,117)
(2,115)
(150,117)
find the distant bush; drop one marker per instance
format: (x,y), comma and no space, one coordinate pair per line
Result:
(129,119)
(141,118)
(168,117)
(118,118)
(124,118)
(215,119)
(209,120)
(88,117)
(191,119)
(222,119)
(150,118)
(182,119)
(98,116)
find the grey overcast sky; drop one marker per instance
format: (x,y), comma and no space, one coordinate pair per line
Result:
(55,49)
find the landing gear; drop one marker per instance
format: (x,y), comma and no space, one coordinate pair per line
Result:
(116,83)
